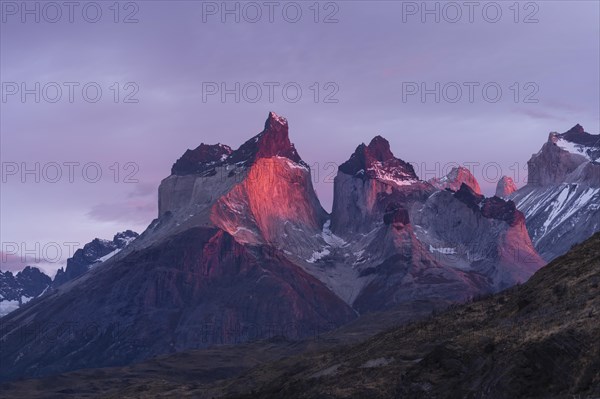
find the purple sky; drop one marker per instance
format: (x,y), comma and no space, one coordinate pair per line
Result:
(368,54)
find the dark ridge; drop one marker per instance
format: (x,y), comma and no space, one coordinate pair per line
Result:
(469,197)
(272,141)
(203,158)
(578,135)
(499,209)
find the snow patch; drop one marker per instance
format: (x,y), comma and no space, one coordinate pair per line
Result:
(10,306)
(330,238)
(243,229)
(575,148)
(394,175)
(445,251)
(318,255)
(293,164)
(107,256)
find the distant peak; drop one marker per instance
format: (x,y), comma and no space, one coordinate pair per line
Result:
(274,121)
(275,133)
(379,148)
(272,141)
(457,176)
(505,187)
(578,129)
(376,160)
(576,135)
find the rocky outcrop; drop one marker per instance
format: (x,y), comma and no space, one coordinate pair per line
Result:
(505,187)
(367,183)
(457,177)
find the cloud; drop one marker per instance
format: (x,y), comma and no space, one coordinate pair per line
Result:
(131,211)
(10,262)
(143,190)
(538,114)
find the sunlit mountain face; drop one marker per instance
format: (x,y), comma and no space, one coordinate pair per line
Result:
(294,199)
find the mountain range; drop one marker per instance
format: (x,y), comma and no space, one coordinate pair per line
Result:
(242,250)
(31,282)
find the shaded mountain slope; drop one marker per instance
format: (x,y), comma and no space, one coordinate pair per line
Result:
(173,296)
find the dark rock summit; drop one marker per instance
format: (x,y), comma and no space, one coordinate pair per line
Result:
(272,141)
(370,161)
(497,208)
(201,159)
(468,196)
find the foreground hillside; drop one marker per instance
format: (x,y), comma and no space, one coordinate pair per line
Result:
(536,340)
(540,339)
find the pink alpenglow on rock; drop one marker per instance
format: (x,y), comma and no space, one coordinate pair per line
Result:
(455,179)
(506,186)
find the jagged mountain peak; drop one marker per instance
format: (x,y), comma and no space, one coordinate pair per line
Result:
(576,135)
(490,208)
(30,271)
(577,129)
(124,238)
(505,187)
(18,289)
(379,149)
(455,178)
(271,142)
(275,121)
(376,161)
